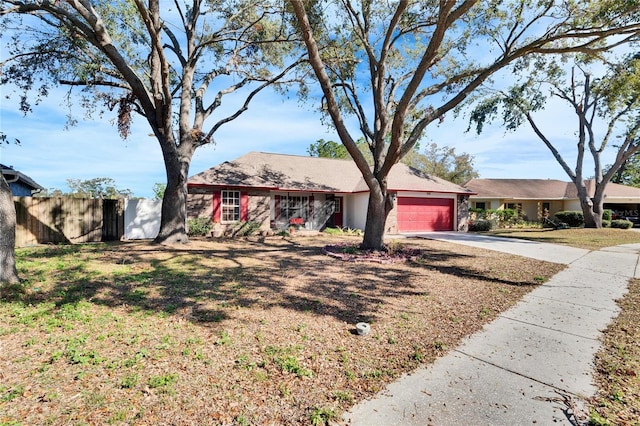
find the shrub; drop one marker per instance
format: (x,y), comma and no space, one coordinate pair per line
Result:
(621,224)
(199,226)
(507,215)
(343,231)
(606,223)
(333,231)
(481,225)
(503,218)
(606,214)
(573,218)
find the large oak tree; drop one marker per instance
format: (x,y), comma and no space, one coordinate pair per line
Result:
(399,66)
(175,63)
(606,106)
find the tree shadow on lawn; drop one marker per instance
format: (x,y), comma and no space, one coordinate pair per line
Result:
(202,283)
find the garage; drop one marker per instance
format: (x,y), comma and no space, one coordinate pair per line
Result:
(425,214)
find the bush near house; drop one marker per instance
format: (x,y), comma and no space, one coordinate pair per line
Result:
(573,218)
(621,224)
(199,226)
(481,225)
(504,218)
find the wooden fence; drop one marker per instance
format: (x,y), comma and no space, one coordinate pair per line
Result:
(67,220)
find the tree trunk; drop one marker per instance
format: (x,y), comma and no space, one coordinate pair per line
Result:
(173,223)
(379,207)
(592,217)
(598,204)
(8,272)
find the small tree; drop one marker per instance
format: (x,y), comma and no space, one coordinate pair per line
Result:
(158,190)
(327,149)
(443,162)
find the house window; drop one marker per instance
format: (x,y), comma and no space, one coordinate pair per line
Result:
(514,206)
(294,207)
(337,206)
(481,205)
(230,206)
(546,209)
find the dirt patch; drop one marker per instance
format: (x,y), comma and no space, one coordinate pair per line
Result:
(245,332)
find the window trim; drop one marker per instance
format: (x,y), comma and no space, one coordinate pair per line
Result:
(237,198)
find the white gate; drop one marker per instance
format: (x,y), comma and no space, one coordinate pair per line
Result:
(142,219)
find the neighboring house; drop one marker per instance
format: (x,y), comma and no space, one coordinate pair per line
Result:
(278,191)
(21,185)
(535,197)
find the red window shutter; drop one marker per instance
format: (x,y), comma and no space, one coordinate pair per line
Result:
(277,206)
(244,206)
(216,205)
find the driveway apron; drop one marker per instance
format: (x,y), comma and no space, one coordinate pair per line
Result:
(533,364)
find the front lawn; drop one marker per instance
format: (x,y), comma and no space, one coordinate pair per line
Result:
(244,332)
(591,239)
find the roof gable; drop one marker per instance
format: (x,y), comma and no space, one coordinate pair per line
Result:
(312,174)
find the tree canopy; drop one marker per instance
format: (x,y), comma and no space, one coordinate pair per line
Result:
(396,67)
(628,173)
(187,68)
(103,187)
(443,162)
(327,149)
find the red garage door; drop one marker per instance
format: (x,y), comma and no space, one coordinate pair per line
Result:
(425,214)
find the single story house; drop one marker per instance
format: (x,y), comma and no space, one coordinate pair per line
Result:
(21,185)
(535,197)
(278,191)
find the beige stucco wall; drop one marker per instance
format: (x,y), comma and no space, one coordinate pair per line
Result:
(529,207)
(355,216)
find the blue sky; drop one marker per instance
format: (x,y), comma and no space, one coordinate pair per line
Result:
(50,154)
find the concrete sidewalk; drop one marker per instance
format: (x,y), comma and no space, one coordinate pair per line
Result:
(533,364)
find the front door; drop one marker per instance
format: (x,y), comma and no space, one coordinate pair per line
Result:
(337,212)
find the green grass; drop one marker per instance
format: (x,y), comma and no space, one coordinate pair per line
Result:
(590,239)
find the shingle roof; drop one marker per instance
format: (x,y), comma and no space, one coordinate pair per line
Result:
(11,173)
(547,189)
(312,174)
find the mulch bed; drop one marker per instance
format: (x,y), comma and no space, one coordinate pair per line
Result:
(353,253)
